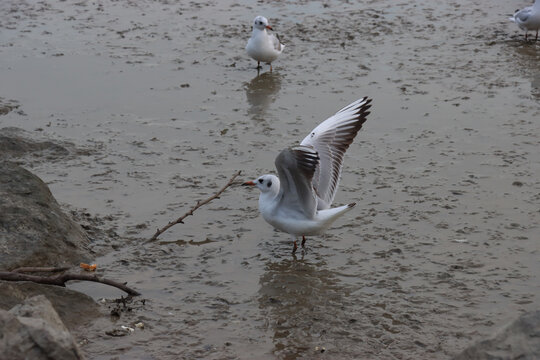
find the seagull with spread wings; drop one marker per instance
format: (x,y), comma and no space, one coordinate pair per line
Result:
(298,200)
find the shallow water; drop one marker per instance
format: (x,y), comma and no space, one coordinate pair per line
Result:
(443,247)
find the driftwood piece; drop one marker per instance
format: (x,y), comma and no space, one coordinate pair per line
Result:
(61,279)
(40,269)
(200,203)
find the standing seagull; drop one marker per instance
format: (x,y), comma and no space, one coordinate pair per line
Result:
(528,18)
(298,200)
(263,46)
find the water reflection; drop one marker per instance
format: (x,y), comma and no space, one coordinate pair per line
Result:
(262,91)
(535,87)
(527,58)
(304,305)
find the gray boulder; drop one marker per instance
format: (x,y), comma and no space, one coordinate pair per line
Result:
(15,142)
(35,332)
(33,229)
(24,146)
(74,308)
(7,106)
(519,340)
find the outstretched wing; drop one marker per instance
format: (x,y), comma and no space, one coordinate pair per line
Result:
(296,167)
(331,139)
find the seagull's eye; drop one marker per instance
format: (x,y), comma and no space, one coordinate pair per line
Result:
(261,181)
(269,184)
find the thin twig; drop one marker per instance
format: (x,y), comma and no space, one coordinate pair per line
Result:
(190,212)
(61,279)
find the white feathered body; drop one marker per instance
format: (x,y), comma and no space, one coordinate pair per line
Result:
(296,223)
(263,46)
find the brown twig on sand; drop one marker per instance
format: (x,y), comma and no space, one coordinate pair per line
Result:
(61,279)
(190,212)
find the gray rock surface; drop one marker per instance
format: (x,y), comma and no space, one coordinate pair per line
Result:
(519,340)
(17,143)
(32,149)
(7,106)
(33,229)
(35,332)
(74,308)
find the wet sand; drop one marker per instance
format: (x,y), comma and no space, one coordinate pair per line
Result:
(443,246)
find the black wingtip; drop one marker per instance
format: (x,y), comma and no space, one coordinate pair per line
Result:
(366,105)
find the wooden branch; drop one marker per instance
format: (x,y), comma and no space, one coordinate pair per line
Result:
(61,279)
(180,220)
(40,269)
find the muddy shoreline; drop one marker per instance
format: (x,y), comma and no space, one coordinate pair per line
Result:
(442,249)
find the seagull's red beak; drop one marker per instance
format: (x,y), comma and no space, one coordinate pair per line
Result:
(248,183)
(269,27)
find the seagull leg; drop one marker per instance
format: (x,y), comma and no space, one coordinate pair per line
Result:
(303,240)
(258,65)
(270,67)
(536,37)
(295,246)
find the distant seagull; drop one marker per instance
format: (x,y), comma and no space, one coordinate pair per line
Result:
(263,46)
(528,18)
(298,200)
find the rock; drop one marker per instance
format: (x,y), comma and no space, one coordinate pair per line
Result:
(16,142)
(33,229)
(518,340)
(33,330)
(27,147)
(74,308)
(7,106)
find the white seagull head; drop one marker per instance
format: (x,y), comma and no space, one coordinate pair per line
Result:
(266,183)
(261,23)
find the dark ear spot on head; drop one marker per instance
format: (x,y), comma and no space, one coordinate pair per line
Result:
(269,184)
